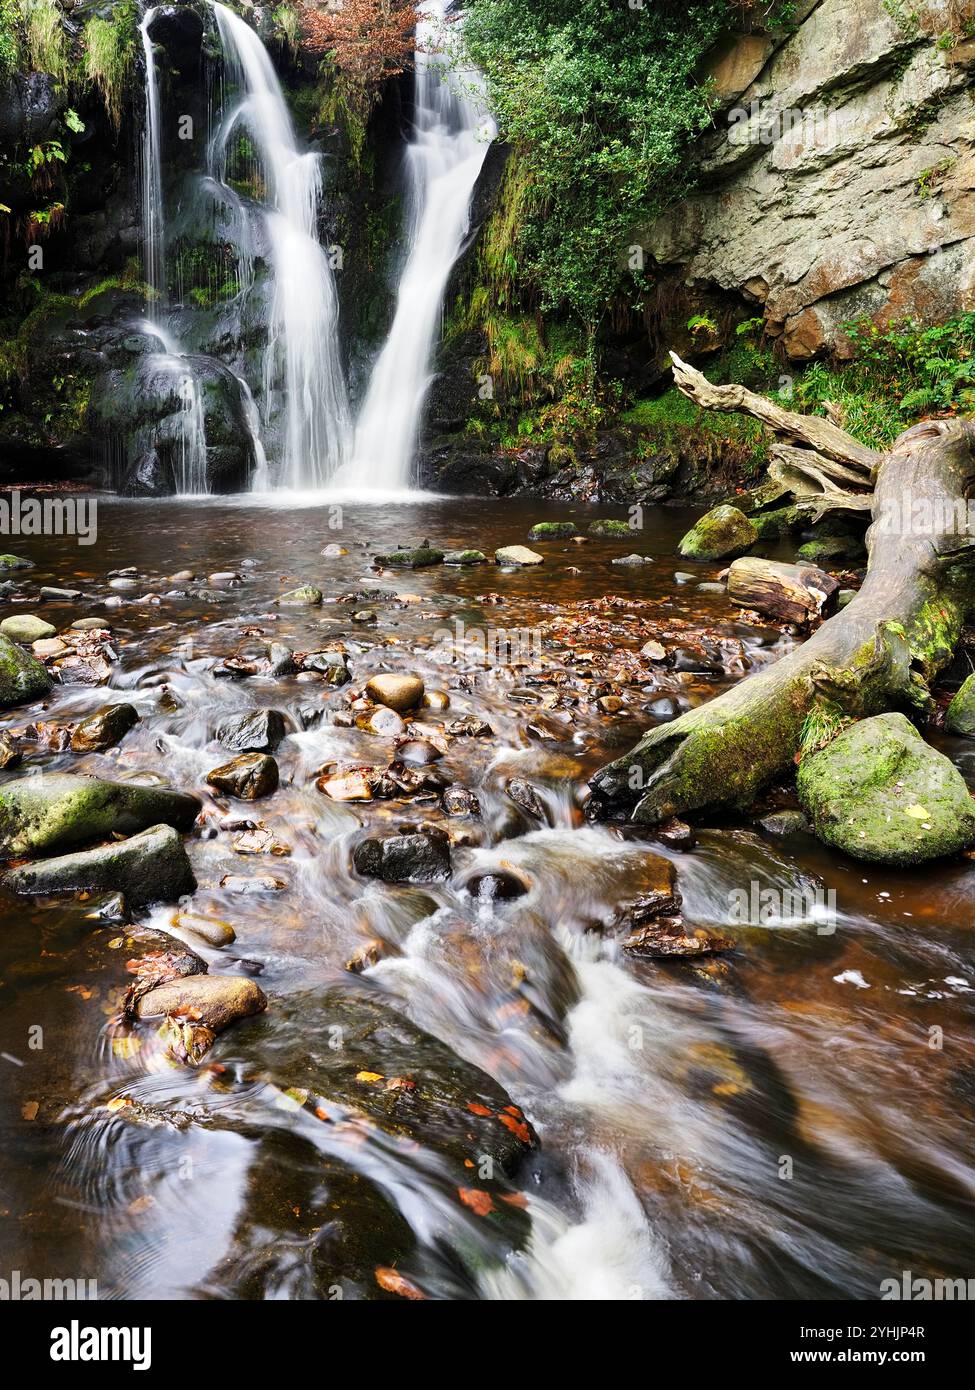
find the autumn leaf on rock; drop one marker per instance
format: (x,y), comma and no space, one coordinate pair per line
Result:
(479,1201)
(393,1282)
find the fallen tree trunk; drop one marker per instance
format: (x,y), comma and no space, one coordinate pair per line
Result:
(876,655)
(792,593)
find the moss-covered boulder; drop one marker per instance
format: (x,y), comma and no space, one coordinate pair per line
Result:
(719,535)
(960,718)
(421,557)
(149,867)
(465,557)
(880,793)
(306,596)
(22,677)
(15,562)
(553,531)
(608,529)
(58,811)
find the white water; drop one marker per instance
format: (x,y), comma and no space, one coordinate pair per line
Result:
(450,141)
(189,466)
(302,367)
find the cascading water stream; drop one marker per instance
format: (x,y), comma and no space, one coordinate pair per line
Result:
(450,141)
(152,198)
(302,367)
(190,464)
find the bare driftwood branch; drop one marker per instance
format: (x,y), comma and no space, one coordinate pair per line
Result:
(822,435)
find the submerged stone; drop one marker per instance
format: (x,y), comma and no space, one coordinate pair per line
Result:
(419,558)
(213,1001)
(56,811)
(306,596)
(397,692)
(260,731)
(880,793)
(420,858)
(465,557)
(719,534)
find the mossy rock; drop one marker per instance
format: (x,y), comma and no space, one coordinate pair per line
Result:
(607,529)
(57,811)
(15,562)
(149,867)
(22,677)
(844,550)
(419,558)
(879,792)
(465,557)
(960,718)
(780,522)
(720,534)
(306,596)
(553,531)
(26,628)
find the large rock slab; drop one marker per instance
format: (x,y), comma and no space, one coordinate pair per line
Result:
(407,1081)
(149,867)
(59,811)
(22,677)
(880,793)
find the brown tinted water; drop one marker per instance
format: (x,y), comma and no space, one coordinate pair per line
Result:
(792,1119)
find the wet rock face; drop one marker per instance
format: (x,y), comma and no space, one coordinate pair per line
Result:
(258,732)
(248,777)
(59,811)
(149,867)
(406,1081)
(214,1001)
(104,728)
(420,858)
(960,718)
(139,401)
(880,793)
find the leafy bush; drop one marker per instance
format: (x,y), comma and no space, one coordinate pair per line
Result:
(898,375)
(599,100)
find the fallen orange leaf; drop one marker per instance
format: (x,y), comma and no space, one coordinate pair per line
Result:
(393,1282)
(479,1202)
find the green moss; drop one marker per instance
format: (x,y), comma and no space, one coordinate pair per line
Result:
(109,52)
(45,40)
(22,677)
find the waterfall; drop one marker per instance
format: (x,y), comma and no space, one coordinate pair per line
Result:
(449,144)
(302,366)
(152,199)
(190,467)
